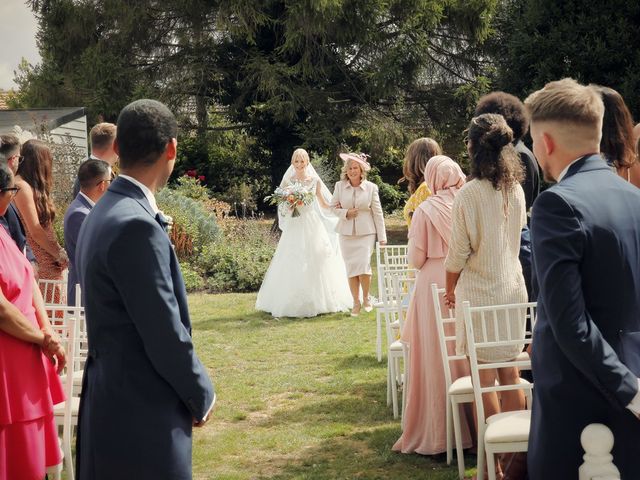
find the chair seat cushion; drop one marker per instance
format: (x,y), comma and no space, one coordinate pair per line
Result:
(508,427)
(396,346)
(461,386)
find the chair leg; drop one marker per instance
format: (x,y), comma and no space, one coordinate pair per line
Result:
(389,379)
(405,382)
(449,424)
(455,413)
(378,335)
(394,385)
(481,459)
(491,466)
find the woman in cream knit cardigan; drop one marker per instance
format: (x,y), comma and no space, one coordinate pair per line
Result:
(482,264)
(357,205)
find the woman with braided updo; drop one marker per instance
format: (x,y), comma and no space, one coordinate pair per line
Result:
(482,265)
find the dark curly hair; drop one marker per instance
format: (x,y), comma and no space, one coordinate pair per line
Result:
(493,156)
(617,129)
(510,107)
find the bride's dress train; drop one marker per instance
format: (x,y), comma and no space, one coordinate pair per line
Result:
(307,275)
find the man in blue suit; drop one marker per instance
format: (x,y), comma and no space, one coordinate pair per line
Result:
(94,177)
(144,387)
(585,232)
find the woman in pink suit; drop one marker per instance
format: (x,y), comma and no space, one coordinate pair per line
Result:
(425,413)
(29,386)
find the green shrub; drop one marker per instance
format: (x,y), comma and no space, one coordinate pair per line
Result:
(193,281)
(238,261)
(193,226)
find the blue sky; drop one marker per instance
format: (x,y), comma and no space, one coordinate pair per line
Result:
(17,37)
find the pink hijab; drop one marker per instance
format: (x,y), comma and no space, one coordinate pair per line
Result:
(444,177)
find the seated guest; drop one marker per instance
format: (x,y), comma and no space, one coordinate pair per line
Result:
(29,349)
(36,209)
(426,397)
(94,177)
(102,137)
(617,145)
(10,156)
(418,153)
(482,264)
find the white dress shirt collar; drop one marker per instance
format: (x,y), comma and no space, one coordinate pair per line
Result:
(566,169)
(91,202)
(147,193)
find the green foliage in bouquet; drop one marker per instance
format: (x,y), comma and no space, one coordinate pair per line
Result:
(193,226)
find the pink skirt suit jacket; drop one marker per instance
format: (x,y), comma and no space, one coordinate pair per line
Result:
(358,235)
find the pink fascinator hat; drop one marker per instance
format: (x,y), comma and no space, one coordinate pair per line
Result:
(361,158)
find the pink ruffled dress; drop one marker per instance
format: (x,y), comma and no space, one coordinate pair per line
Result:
(29,385)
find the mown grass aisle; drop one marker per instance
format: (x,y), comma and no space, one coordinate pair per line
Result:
(296,398)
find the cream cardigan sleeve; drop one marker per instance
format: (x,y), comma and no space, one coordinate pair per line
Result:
(460,243)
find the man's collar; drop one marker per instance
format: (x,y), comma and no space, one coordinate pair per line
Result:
(86,197)
(147,193)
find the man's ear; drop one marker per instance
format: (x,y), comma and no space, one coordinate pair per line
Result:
(172,149)
(549,143)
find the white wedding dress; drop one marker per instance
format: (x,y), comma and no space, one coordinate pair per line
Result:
(307,275)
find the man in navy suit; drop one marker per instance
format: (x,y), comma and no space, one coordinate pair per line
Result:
(144,387)
(585,232)
(10,154)
(94,177)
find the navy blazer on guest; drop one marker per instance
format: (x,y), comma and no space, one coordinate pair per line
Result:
(11,221)
(77,211)
(143,382)
(585,232)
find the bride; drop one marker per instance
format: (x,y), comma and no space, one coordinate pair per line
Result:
(307,275)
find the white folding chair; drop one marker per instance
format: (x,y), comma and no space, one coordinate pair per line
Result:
(54,292)
(403,285)
(392,257)
(507,431)
(459,391)
(66,413)
(394,318)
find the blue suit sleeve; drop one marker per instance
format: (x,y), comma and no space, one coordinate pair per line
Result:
(140,262)
(558,240)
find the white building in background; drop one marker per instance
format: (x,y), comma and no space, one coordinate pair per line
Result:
(65,128)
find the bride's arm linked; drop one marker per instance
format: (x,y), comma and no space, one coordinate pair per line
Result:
(336,204)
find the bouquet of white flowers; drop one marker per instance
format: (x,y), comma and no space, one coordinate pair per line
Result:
(291,197)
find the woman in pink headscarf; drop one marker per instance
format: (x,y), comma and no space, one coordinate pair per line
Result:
(425,413)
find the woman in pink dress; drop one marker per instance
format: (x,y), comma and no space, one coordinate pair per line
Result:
(425,413)
(29,350)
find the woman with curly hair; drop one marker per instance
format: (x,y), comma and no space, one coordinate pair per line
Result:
(482,264)
(415,160)
(35,206)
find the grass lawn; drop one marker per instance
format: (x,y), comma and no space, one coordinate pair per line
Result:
(297,398)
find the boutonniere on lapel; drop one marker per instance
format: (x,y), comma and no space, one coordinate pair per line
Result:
(165,221)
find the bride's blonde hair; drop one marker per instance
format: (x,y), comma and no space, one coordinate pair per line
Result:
(300,153)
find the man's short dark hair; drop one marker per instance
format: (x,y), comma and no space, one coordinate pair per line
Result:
(510,107)
(5,175)
(9,144)
(91,172)
(145,127)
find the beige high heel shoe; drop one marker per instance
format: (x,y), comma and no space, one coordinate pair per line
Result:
(355,311)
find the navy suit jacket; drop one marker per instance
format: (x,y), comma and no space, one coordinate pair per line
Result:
(143,383)
(77,211)
(585,232)
(11,221)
